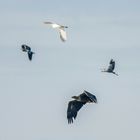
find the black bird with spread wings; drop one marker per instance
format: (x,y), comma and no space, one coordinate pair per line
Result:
(75,105)
(27,49)
(111,67)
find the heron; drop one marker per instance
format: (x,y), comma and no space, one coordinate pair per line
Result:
(110,68)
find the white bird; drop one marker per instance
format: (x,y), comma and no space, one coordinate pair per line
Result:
(60,28)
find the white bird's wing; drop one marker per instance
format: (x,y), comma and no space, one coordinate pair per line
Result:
(54,25)
(63,35)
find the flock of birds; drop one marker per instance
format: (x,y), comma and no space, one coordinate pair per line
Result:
(75,105)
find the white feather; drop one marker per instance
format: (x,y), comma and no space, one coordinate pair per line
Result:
(63,35)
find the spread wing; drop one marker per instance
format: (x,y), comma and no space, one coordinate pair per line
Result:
(54,25)
(28,48)
(84,97)
(25,48)
(111,61)
(111,66)
(91,97)
(30,54)
(73,108)
(63,35)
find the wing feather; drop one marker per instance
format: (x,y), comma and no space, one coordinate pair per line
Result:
(30,54)
(63,35)
(111,66)
(73,108)
(25,48)
(91,97)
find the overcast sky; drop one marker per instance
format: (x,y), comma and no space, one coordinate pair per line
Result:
(34,95)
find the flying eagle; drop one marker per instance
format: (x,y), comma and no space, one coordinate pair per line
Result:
(60,28)
(75,105)
(111,67)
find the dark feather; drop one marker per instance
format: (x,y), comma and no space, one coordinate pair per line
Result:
(25,48)
(73,108)
(91,97)
(30,54)
(28,48)
(84,98)
(111,66)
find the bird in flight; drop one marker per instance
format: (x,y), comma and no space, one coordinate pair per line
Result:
(27,49)
(60,28)
(75,105)
(110,68)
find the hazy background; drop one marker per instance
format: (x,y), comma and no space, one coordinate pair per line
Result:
(34,95)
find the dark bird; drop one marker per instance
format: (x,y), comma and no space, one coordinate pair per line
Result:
(111,67)
(27,49)
(75,105)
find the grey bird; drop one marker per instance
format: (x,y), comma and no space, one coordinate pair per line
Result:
(75,105)
(110,68)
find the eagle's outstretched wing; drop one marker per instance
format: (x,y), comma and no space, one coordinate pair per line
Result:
(91,97)
(73,108)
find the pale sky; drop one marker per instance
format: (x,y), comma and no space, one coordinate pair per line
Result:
(34,95)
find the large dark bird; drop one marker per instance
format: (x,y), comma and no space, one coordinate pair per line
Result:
(75,105)
(111,67)
(27,49)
